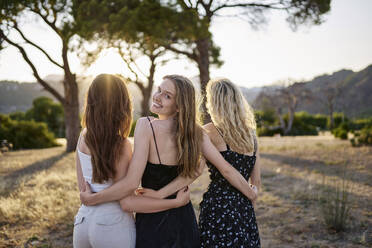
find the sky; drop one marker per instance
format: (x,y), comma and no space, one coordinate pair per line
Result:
(251,58)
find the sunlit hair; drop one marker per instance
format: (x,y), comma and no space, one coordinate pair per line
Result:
(107,118)
(231,114)
(188,131)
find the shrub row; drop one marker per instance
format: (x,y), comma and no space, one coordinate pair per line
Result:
(26,134)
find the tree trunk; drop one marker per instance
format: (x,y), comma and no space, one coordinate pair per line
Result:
(145,102)
(290,121)
(146,91)
(281,120)
(71,108)
(203,65)
(330,110)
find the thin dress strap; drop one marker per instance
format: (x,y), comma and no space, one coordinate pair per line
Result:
(227,145)
(153,133)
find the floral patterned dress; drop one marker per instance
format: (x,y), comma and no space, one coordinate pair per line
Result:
(227,217)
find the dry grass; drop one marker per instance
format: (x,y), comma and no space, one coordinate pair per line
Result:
(38,194)
(39,199)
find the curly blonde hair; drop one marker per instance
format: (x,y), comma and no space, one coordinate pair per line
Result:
(231,114)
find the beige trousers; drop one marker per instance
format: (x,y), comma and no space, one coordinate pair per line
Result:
(104,225)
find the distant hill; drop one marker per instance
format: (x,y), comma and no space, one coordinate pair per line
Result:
(355,97)
(355,100)
(17,96)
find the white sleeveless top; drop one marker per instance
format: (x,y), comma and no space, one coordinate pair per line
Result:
(86,166)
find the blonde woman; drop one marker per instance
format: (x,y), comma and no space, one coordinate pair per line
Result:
(227,217)
(166,148)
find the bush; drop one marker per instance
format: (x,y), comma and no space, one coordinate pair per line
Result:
(341,131)
(45,110)
(319,121)
(264,131)
(18,116)
(338,119)
(26,134)
(300,125)
(363,137)
(334,203)
(360,124)
(265,118)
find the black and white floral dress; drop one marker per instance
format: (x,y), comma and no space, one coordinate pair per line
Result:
(227,217)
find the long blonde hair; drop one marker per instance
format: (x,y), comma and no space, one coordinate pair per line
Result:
(189,135)
(107,118)
(231,114)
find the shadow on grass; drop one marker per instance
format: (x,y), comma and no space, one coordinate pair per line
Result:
(320,166)
(11,181)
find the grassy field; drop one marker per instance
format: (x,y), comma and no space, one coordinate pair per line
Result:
(39,197)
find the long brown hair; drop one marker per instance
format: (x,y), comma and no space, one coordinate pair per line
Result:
(189,134)
(107,118)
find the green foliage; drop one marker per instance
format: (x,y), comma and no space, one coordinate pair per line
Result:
(300,125)
(45,110)
(25,134)
(18,116)
(338,119)
(341,131)
(265,131)
(360,124)
(363,137)
(265,117)
(318,120)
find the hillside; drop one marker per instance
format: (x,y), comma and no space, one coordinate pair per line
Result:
(353,97)
(16,96)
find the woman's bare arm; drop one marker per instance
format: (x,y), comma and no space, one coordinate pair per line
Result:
(174,186)
(256,172)
(228,172)
(142,204)
(130,182)
(79,173)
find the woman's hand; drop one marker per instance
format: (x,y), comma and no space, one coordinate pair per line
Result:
(255,190)
(148,193)
(86,195)
(183,196)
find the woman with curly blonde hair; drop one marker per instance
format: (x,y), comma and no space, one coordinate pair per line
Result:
(227,217)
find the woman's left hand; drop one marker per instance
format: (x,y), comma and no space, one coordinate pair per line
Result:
(86,195)
(148,193)
(254,188)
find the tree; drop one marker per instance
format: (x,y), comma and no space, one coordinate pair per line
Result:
(134,29)
(284,100)
(197,44)
(56,14)
(329,96)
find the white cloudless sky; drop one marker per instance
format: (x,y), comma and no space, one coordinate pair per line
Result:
(251,57)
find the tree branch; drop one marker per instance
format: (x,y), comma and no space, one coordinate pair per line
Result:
(265,6)
(36,74)
(188,54)
(50,24)
(36,46)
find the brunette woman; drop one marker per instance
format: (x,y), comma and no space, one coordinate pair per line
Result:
(102,158)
